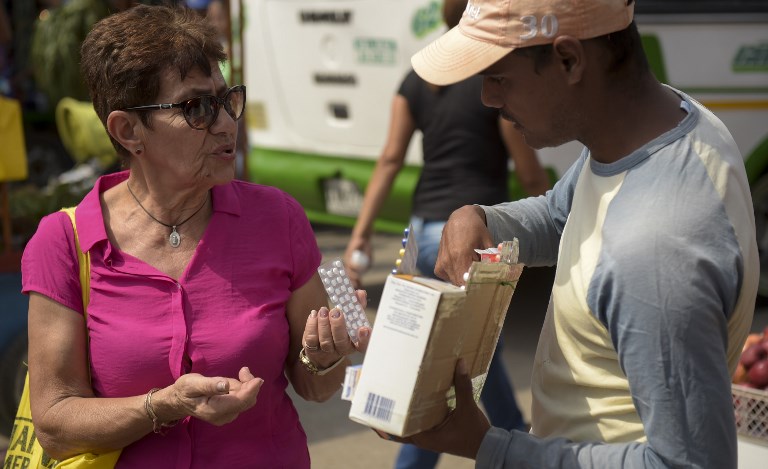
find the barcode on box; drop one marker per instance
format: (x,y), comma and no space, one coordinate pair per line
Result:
(379,407)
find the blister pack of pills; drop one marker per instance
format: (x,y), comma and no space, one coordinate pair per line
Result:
(342,295)
(507,251)
(350,382)
(406,261)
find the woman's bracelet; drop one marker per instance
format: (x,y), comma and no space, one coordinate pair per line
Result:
(312,368)
(157,426)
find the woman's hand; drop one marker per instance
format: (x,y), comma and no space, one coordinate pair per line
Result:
(321,338)
(215,400)
(325,338)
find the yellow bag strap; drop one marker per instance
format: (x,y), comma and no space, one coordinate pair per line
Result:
(84,259)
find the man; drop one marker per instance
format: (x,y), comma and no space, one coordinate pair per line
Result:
(652,231)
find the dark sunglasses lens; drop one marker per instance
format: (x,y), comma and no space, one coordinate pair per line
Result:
(235,102)
(201,112)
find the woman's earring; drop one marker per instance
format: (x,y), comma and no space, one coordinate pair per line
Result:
(138,151)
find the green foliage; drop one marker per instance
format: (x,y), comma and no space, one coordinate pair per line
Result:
(55,50)
(28,204)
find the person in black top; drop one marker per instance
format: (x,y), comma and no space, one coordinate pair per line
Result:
(466,149)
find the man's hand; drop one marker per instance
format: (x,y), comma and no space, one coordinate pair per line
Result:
(464,231)
(462,432)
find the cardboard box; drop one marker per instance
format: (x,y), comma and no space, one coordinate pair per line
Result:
(422,327)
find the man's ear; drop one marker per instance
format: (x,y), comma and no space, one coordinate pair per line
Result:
(123,127)
(570,56)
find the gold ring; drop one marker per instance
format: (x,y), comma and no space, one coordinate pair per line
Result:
(311,349)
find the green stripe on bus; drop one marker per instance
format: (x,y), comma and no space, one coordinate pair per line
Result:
(301,175)
(757,162)
(653,52)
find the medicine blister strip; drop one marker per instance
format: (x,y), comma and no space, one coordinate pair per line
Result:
(507,252)
(406,262)
(342,295)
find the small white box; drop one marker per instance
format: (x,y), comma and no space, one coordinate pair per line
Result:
(422,327)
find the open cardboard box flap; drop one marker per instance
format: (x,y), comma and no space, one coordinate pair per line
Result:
(423,326)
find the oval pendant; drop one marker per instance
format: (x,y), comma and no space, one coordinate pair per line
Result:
(174,239)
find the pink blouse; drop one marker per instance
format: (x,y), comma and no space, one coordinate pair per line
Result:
(226,311)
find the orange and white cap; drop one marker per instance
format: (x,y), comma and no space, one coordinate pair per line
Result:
(490,29)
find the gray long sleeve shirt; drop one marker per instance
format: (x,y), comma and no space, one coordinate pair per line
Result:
(657,272)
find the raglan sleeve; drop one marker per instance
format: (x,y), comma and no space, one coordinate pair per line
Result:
(664,291)
(537,222)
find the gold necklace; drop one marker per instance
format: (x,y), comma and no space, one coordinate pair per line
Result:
(174,239)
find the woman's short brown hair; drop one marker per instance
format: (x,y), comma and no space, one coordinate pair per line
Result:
(125,55)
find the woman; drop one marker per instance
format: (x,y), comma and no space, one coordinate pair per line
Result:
(201,286)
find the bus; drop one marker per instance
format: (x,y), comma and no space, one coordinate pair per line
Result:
(321,76)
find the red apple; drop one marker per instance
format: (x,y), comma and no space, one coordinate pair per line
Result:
(758,374)
(752,355)
(752,339)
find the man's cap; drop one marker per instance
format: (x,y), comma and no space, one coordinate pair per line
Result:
(490,29)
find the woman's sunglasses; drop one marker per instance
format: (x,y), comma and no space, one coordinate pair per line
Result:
(201,112)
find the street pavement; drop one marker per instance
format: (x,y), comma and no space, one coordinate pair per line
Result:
(337,442)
